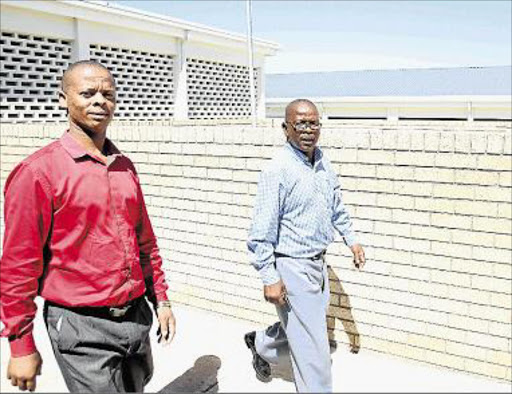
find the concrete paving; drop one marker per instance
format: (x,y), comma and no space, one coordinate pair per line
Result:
(208,355)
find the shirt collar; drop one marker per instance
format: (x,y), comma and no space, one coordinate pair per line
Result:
(302,156)
(76,150)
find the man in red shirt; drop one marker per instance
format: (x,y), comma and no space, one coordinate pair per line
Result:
(77,233)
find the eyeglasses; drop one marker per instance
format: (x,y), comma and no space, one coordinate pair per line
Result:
(303,126)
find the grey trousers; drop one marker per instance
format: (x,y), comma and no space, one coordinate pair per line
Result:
(99,353)
(301,335)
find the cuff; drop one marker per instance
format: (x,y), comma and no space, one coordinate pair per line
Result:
(350,239)
(161,296)
(23,346)
(269,275)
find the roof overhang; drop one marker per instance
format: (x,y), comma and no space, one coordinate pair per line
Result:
(105,12)
(394,99)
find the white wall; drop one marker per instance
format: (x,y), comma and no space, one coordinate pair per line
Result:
(83,25)
(431,202)
(395,108)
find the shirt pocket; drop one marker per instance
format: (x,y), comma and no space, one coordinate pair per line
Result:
(326,189)
(104,255)
(128,197)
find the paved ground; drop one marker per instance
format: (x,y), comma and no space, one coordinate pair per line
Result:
(208,355)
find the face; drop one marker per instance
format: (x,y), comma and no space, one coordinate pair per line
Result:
(90,98)
(307,139)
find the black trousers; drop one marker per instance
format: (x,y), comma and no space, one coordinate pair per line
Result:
(98,353)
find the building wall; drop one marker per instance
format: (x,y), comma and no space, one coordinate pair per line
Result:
(162,71)
(448,107)
(430,200)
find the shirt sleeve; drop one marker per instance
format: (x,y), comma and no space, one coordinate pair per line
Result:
(264,227)
(151,262)
(340,216)
(28,218)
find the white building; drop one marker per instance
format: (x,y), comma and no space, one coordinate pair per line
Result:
(458,93)
(165,68)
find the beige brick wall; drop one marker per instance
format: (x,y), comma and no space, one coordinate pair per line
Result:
(430,200)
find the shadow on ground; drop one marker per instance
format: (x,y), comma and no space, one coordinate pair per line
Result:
(201,378)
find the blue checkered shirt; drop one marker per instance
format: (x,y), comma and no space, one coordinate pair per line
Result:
(298,206)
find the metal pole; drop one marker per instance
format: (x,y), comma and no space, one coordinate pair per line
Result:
(252,90)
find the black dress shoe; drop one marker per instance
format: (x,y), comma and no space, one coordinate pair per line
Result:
(261,366)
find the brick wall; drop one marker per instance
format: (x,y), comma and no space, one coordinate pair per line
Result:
(430,200)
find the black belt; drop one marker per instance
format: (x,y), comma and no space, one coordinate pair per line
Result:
(315,257)
(101,311)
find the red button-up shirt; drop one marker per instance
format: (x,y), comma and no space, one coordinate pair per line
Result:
(76,232)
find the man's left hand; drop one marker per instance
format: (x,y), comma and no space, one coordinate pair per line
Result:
(167,325)
(359,259)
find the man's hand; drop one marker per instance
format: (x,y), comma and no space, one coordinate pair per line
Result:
(167,325)
(22,371)
(359,259)
(276,293)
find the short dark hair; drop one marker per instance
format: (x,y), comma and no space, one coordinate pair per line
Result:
(81,63)
(295,103)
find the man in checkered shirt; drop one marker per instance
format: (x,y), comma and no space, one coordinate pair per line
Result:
(298,207)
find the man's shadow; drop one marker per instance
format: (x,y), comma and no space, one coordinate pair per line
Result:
(201,378)
(339,309)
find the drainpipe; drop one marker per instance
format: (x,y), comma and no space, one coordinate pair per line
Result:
(252,90)
(470,111)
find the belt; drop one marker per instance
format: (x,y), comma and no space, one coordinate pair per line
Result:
(101,311)
(319,255)
(315,257)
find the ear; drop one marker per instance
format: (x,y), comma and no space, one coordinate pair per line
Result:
(63,100)
(285,130)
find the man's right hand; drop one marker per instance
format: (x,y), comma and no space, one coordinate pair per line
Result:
(276,293)
(22,371)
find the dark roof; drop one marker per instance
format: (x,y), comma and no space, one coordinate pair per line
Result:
(403,82)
